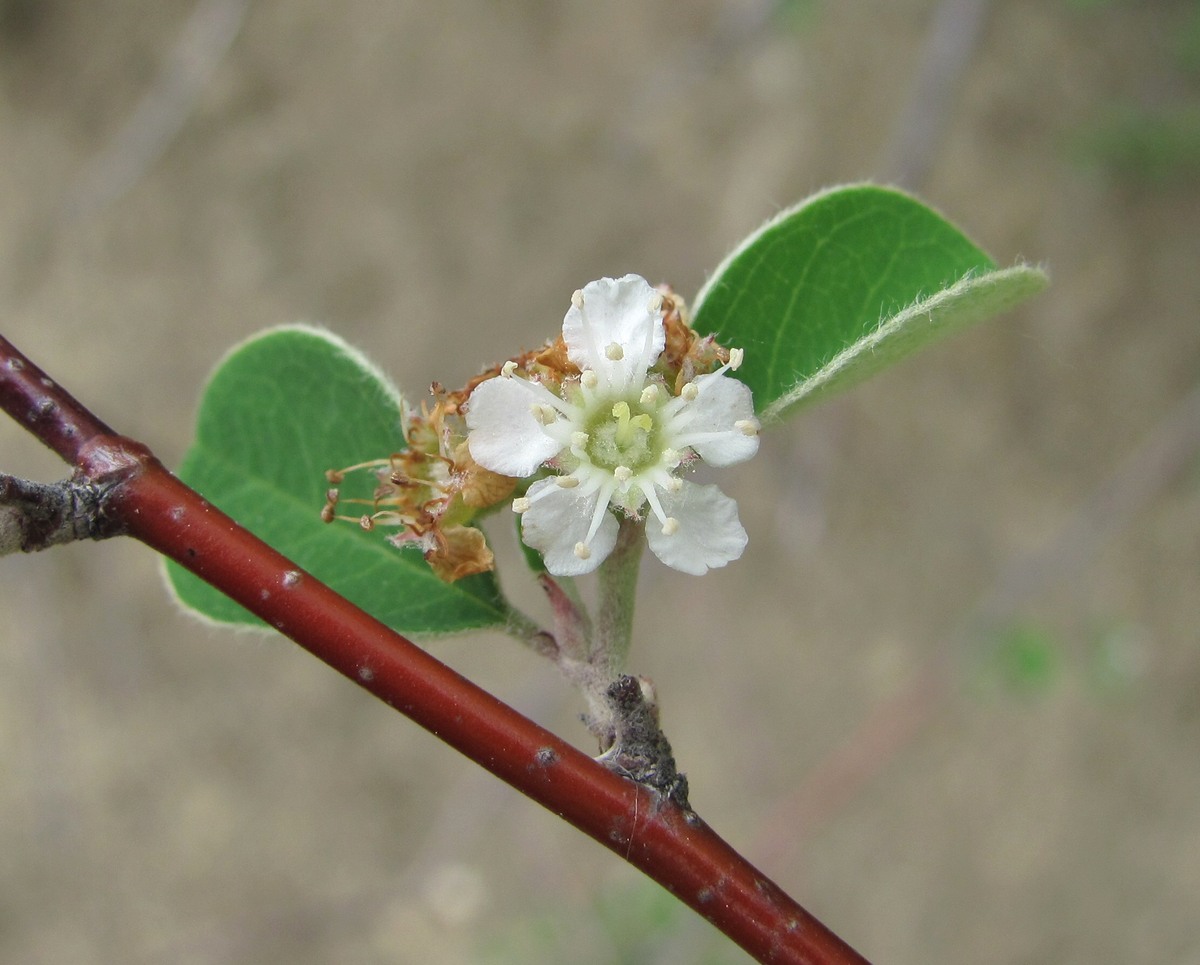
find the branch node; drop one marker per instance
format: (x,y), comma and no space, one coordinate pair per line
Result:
(640,751)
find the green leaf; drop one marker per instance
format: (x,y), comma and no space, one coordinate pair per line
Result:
(845,283)
(1027,658)
(279,410)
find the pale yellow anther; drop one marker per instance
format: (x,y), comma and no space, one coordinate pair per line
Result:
(672,457)
(622,474)
(542,413)
(674,485)
(747,427)
(614,352)
(508,369)
(583,551)
(670,526)
(567,482)
(690,391)
(735,358)
(589,379)
(579,439)
(577,299)
(656,302)
(649,394)
(643,422)
(520,504)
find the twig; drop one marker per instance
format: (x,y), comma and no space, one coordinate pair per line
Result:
(917,135)
(35,516)
(160,114)
(670,844)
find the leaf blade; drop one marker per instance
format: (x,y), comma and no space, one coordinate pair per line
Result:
(279,410)
(971,300)
(828,273)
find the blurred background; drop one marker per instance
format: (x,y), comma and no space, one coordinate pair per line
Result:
(950,699)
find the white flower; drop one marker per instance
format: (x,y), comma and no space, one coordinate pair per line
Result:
(619,438)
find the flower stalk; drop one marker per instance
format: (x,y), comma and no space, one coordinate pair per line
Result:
(618,587)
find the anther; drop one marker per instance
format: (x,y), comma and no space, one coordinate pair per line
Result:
(567,482)
(577,299)
(614,352)
(735,358)
(583,551)
(670,526)
(747,427)
(622,474)
(656,302)
(579,439)
(672,457)
(508,368)
(649,394)
(674,485)
(545,414)
(521,503)
(589,379)
(690,391)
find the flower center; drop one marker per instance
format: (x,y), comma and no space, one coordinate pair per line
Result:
(619,437)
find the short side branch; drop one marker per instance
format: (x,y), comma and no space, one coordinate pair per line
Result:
(35,516)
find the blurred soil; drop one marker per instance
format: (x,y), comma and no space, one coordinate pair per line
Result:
(432,181)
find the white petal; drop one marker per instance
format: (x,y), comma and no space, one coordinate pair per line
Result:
(556,521)
(504,436)
(616,311)
(709,533)
(709,423)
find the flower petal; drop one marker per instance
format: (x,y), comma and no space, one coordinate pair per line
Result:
(709,533)
(504,435)
(615,311)
(558,520)
(719,423)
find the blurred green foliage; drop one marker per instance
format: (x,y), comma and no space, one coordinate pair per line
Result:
(632,923)
(1151,136)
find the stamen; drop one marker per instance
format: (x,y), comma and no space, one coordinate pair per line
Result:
(656,302)
(520,504)
(589,379)
(542,413)
(579,439)
(747,427)
(672,457)
(643,422)
(670,526)
(623,474)
(674,485)
(577,299)
(614,352)
(735,358)
(583,551)
(649,394)
(508,369)
(567,482)
(690,391)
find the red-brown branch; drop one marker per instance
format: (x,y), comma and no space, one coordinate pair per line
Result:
(671,845)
